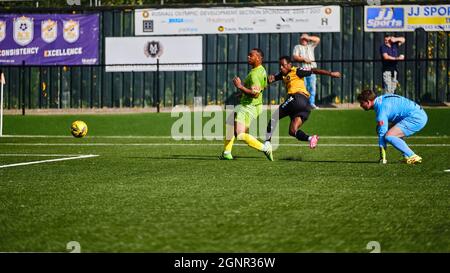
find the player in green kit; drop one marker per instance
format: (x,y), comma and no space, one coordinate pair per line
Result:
(250,106)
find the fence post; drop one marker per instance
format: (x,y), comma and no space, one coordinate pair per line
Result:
(22,86)
(158,100)
(2,83)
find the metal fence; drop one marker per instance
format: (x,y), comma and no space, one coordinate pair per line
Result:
(423,76)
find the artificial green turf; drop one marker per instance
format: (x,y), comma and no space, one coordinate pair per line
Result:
(156,195)
(324,122)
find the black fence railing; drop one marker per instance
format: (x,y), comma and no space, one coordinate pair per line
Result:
(30,87)
(423,76)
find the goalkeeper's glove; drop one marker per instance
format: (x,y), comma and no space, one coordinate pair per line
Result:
(383,155)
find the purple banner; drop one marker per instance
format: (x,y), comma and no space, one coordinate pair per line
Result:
(49,39)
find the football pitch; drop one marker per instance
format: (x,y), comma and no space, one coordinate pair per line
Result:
(129,187)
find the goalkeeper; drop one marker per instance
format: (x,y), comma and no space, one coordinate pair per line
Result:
(406,116)
(250,106)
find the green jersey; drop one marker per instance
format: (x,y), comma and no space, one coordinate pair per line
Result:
(257,78)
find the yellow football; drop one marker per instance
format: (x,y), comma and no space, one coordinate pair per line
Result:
(79,128)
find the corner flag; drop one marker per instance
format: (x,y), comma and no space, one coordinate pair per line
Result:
(2,82)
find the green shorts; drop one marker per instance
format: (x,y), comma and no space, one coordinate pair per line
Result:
(245,114)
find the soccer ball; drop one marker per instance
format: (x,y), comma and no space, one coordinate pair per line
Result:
(78,128)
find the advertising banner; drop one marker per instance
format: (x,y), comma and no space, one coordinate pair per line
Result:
(407,18)
(228,20)
(178,53)
(49,39)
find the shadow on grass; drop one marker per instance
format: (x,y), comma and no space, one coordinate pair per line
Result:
(299,159)
(216,157)
(192,157)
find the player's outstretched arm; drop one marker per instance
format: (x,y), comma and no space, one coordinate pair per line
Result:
(333,74)
(273,78)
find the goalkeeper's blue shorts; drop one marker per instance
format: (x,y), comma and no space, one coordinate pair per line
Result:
(413,123)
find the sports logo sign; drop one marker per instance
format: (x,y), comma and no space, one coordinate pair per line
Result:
(2,30)
(143,53)
(23,30)
(71,31)
(153,49)
(49,39)
(228,20)
(385,18)
(49,30)
(407,18)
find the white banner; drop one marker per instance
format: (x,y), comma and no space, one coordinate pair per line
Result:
(407,18)
(229,20)
(180,53)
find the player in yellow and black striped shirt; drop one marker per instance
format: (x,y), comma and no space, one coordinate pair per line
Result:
(296,105)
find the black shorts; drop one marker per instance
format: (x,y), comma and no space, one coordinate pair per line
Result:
(296,105)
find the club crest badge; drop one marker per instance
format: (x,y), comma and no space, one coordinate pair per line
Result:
(23,30)
(71,31)
(49,30)
(153,49)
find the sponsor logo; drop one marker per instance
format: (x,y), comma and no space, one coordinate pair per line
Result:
(2,30)
(328,11)
(188,30)
(23,30)
(145,14)
(71,31)
(49,30)
(89,61)
(287,19)
(385,18)
(282,26)
(221,29)
(220,20)
(259,21)
(287,102)
(147,26)
(380,123)
(179,20)
(153,49)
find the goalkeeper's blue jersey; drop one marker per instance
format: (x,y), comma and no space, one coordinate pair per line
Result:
(392,108)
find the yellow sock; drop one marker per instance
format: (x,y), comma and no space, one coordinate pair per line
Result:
(251,141)
(228,144)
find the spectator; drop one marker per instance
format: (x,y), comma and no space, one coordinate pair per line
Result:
(390,56)
(304,54)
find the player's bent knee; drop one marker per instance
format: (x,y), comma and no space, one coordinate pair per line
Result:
(389,138)
(240,136)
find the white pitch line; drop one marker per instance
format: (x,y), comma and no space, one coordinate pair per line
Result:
(37,155)
(45,161)
(448,171)
(205,144)
(170,137)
